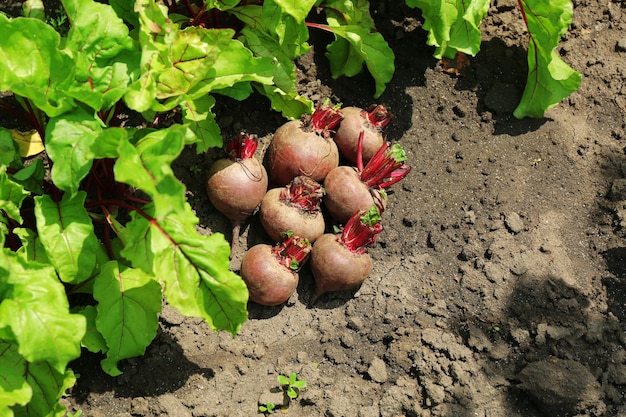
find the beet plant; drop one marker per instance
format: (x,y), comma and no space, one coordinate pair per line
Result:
(454,27)
(97,230)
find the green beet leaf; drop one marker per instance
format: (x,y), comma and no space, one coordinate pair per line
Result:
(194,268)
(173,60)
(299,10)
(48,385)
(126,11)
(14,389)
(93,339)
(357,42)
(550,79)
(453,26)
(370,47)
(36,310)
(32,248)
(11,195)
(32,66)
(267,41)
(204,130)
(287,25)
(128,303)
(264,45)
(103,52)
(31,176)
(283,94)
(292,106)
(66,232)
(69,142)
(34,9)
(234,64)
(147,166)
(8,149)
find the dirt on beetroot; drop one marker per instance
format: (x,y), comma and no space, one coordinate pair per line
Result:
(499,280)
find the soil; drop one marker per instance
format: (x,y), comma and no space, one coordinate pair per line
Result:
(499,284)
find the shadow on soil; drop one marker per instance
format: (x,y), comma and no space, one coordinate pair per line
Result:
(164,368)
(498,76)
(616,285)
(552,314)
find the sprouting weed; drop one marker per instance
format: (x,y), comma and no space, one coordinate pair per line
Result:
(291,385)
(267,408)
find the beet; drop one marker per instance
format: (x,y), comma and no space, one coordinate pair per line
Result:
(349,189)
(304,147)
(237,183)
(340,261)
(356,120)
(295,208)
(271,272)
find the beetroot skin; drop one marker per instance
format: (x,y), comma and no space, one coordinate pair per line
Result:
(346,194)
(335,267)
(349,190)
(304,147)
(237,183)
(340,261)
(236,188)
(271,272)
(269,283)
(357,120)
(294,208)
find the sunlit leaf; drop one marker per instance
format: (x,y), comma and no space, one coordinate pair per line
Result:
(32,66)
(11,196)
(37,311)
(147,166)
(66,232)
(550,79)
(128,303)
(14,388)
(194,268)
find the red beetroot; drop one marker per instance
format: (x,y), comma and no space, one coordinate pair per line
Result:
(295,207)
(271,272)
(304,147)
(349,189)
(340,261)
(371,121)
(237,183)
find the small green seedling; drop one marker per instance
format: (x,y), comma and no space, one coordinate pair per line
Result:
(267,408)
(291,385)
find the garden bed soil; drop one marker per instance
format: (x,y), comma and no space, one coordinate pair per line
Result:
(499,284)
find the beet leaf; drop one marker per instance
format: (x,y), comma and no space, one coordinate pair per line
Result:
(454,27)
(550,79)
(134,299)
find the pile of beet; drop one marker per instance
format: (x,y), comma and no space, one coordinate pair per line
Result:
(327,174)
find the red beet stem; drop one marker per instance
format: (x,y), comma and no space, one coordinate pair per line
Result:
(324,119)
(359,151)
(386,167)
(292,252)
(378,116)
(361,230)
(242,146)
(304,193)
